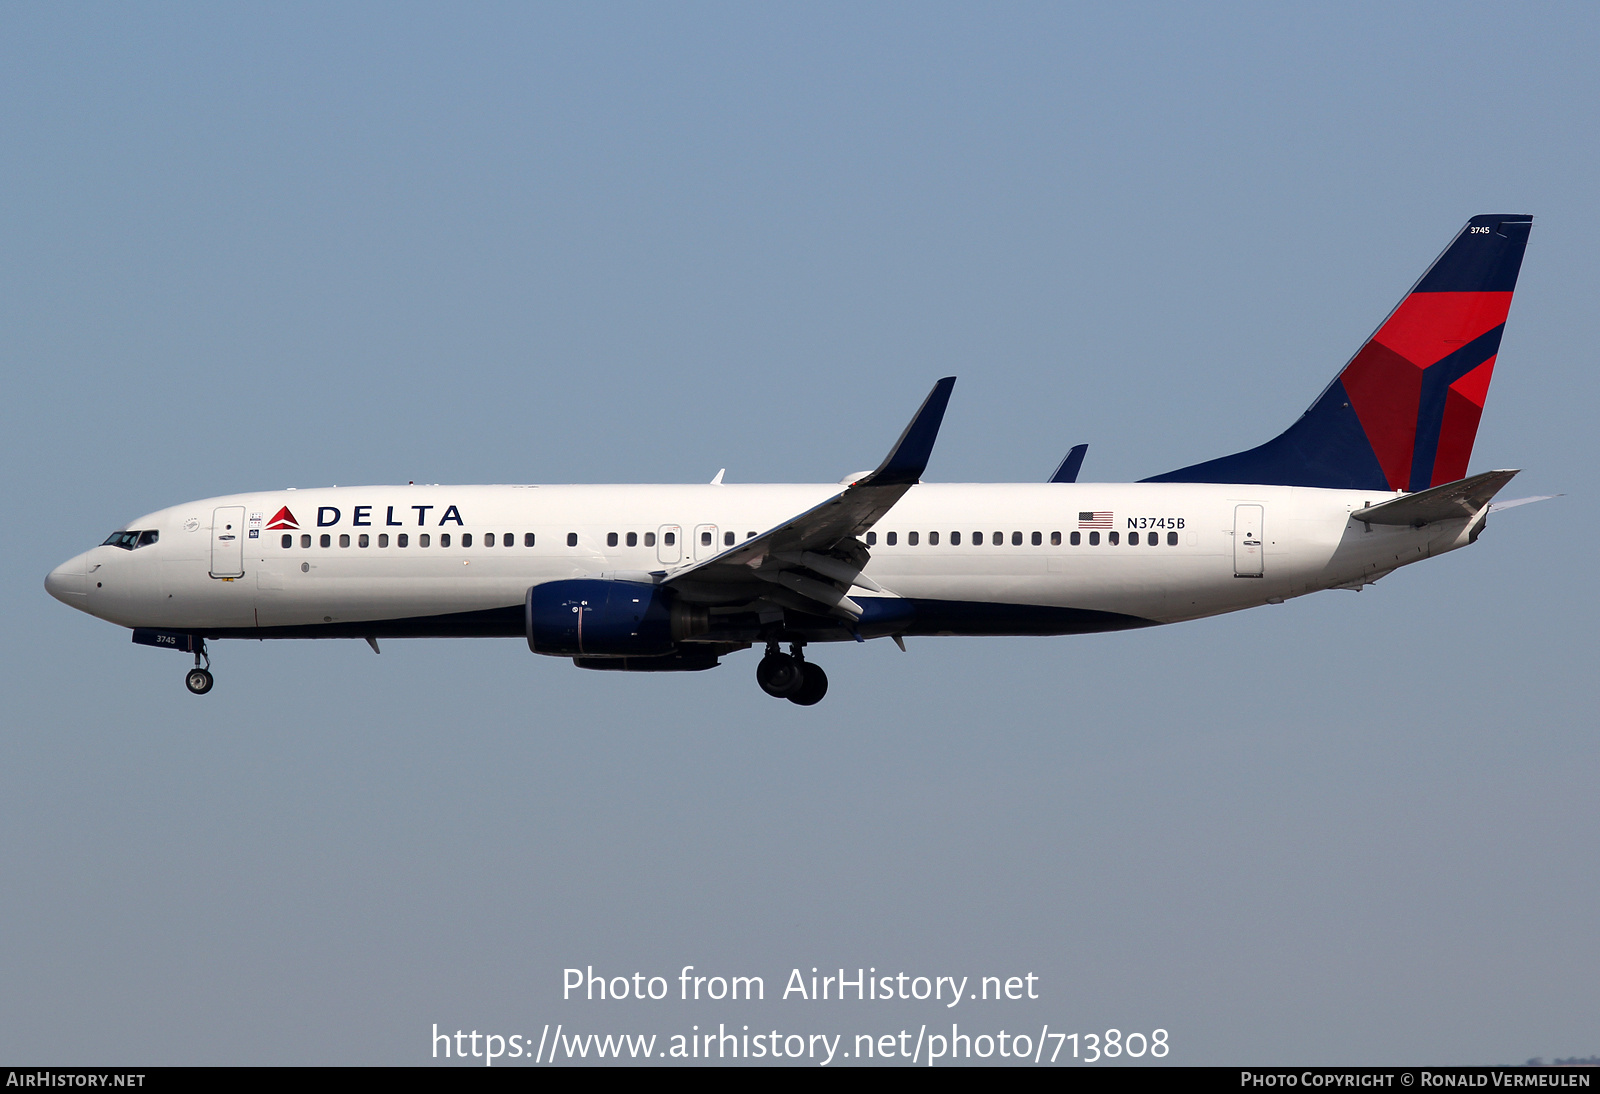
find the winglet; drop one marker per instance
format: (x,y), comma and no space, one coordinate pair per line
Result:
(908,459)
(1068,471)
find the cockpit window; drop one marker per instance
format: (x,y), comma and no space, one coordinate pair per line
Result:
(128,540)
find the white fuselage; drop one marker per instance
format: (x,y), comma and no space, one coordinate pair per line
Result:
(343,561)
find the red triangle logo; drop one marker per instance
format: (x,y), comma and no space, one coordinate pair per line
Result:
(283,519)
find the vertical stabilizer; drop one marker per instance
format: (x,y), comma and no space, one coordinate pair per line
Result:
(1403,413)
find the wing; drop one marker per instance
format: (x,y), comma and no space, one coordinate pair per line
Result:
(811,561)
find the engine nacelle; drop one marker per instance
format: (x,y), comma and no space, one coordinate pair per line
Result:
(598,617)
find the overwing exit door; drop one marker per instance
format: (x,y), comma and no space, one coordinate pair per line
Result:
(705,541)
(227,541)
(1247,541)
(669,545)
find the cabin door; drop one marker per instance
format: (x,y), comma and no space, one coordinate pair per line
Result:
(227,541)
(1247,541)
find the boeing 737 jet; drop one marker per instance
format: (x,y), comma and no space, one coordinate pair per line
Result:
(674,578)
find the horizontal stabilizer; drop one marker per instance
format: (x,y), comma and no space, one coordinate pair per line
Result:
(1459,500)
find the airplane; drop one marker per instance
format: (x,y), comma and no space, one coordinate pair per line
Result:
(1372,477)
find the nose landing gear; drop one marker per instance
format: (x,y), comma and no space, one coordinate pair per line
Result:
(790,676)
(198,680)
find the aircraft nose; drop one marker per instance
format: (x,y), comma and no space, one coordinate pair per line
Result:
(69,582)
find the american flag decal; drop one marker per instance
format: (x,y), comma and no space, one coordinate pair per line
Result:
(1096,519)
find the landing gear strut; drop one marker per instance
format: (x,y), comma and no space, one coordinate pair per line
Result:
(790,676)
(198,680)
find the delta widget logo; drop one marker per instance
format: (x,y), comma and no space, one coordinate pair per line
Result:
(283,519)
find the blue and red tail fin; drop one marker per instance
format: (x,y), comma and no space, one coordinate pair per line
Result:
(1403,413)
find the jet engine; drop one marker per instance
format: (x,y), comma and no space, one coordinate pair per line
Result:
(604,617)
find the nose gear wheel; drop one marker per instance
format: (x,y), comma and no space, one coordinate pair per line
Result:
(199,679)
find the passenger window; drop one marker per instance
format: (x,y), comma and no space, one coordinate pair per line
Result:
(911,539)
(508,539)
(611,539)
(872,539)
(649,539)
(344,540)
(668,539)
(326,540)
(466,539)
(633,539)
(402,540)
(705,539)
(425,540)
(933,539)
(1094,539)
(572,539)
(1016,539)
(383,539)
(444,539)
(1077,538)
(1055,539)
(999,539)
(727,539)
(890,538)
(288,541)
(527,539)
(1111,538)
(749,535)
(1172,539)
(977,539)
(1133,539)
(488,539)
(955,539)
(1037,539)
(364,541)
(305,541)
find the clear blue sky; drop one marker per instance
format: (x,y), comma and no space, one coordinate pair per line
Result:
(297,245)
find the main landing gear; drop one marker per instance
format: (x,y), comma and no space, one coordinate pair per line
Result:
(790,676)
(198,680)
